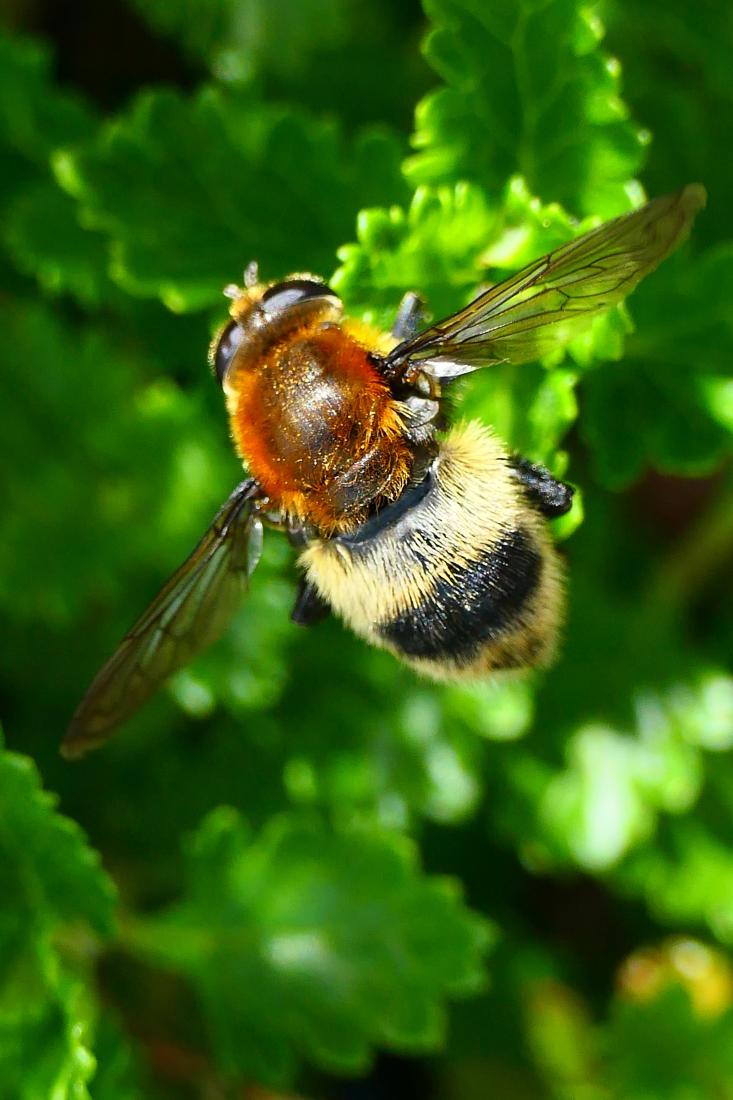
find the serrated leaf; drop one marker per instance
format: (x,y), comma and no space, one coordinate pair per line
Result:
(44,1043)
(57,374)
(453,241)
(447,241)
(49,880)
(307,942)
(442,246)
(63,875)
(35,115)
(526,90)
(45,240)
(340,57)
(189,191)
(433,247)
(39,225)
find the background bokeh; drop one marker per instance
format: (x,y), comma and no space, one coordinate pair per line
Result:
(302,870)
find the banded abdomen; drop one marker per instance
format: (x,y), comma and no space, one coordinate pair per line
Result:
(457,578)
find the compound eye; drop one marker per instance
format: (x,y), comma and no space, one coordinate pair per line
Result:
(290,293)
(224,350)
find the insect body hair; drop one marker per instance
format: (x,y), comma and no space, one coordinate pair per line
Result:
(460,577)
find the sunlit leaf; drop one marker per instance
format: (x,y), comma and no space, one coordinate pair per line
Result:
(50,881)
(527,89)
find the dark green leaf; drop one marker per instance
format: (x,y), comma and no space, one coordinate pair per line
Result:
(38,226)
(46,240)
(62,878)
(667,404)
(238,38)
(189,191)
(36,116)
(81,490)
(676,79)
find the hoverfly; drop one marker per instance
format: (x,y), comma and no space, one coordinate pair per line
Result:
(433,546)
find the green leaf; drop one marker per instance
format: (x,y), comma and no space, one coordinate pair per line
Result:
(681,91)
(667,1034)
(562,1040)
(686,880)
(50,881)
(90,499)
(189,191)
(687,876)
(672,1041)
(118,1075)
(406,748)
(636,416)
(622,789)
(314,943)
(45,240)
(44,1033)
(449,243)
(36,116)
(444,245)
(238,38)
(667,405)
(62,876)
(39,226)
(526,90)
(329,56)
(434,246)
(607,799)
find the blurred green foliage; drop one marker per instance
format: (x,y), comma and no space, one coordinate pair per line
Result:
(524,888)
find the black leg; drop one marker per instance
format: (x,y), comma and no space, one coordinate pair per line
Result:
(309,608)
(552,498)
(410,315)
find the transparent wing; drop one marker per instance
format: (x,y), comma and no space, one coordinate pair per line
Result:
(522,318)
(189,613)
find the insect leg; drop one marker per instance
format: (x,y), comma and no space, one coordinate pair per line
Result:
(552,498)
(309,607)
(410,315)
